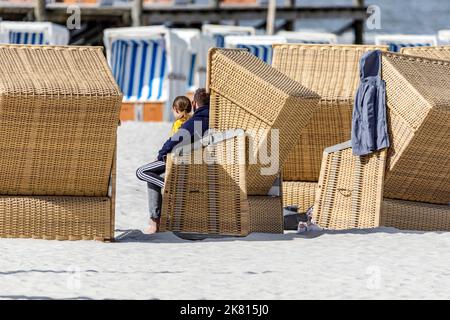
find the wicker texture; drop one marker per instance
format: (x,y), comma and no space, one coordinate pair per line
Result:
(333,72)
(432,52)
(349,192)
(56,218)
(266,214)
(299,193)
(409,215)
(258,99)
(207,198)
(418,101)
(59,109)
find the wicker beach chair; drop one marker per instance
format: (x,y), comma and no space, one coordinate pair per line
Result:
(432,52)
(246,94)
(207,197)
(413,174)
(59,110)
(333,72)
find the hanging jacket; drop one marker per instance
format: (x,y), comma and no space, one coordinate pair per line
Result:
(369,124)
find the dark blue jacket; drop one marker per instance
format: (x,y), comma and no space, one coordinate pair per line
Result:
(196,126)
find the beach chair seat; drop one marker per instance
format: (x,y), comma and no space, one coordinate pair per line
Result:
(416,166)
(59,109)
(248,96)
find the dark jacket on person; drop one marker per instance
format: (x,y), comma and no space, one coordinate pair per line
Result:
(197,125)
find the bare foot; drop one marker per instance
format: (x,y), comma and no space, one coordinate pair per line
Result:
(153,226)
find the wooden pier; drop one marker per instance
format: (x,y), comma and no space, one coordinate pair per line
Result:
(95,18)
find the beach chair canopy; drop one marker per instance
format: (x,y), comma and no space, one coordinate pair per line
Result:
(148,63)
(54,120)
(259,99)
(218,32)
(260,46)
(308,37)
(33,33)
(198,46)
(59,113)
(333,72)
(398,41)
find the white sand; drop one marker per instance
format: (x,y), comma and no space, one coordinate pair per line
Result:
(382,263)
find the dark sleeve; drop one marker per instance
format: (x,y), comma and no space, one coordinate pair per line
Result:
(176,139)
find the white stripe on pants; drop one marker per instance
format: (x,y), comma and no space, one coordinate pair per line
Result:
(151,173)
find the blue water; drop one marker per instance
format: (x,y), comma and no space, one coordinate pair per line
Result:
(397,16)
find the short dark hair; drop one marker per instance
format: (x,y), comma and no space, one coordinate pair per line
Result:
(201,97)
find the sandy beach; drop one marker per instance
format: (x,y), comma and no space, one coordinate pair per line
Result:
(383,263)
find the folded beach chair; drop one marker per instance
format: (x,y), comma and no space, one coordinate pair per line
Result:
(218,32)
(59,116)
(333,72)
(413,175)
(260,46)
(398,41)
(19,32)
(246,94)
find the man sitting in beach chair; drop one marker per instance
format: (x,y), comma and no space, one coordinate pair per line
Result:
(153,173)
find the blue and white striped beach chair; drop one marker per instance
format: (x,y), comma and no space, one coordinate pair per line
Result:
(260,46)
(198,45)
(148,63)
(140,67)
(39,33)
(309,37)
(398,41)
(219,32)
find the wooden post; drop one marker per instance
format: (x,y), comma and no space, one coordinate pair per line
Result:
(40,13)
(271,13)
(214,3)
(290,24)
(358,25)
(136,13)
